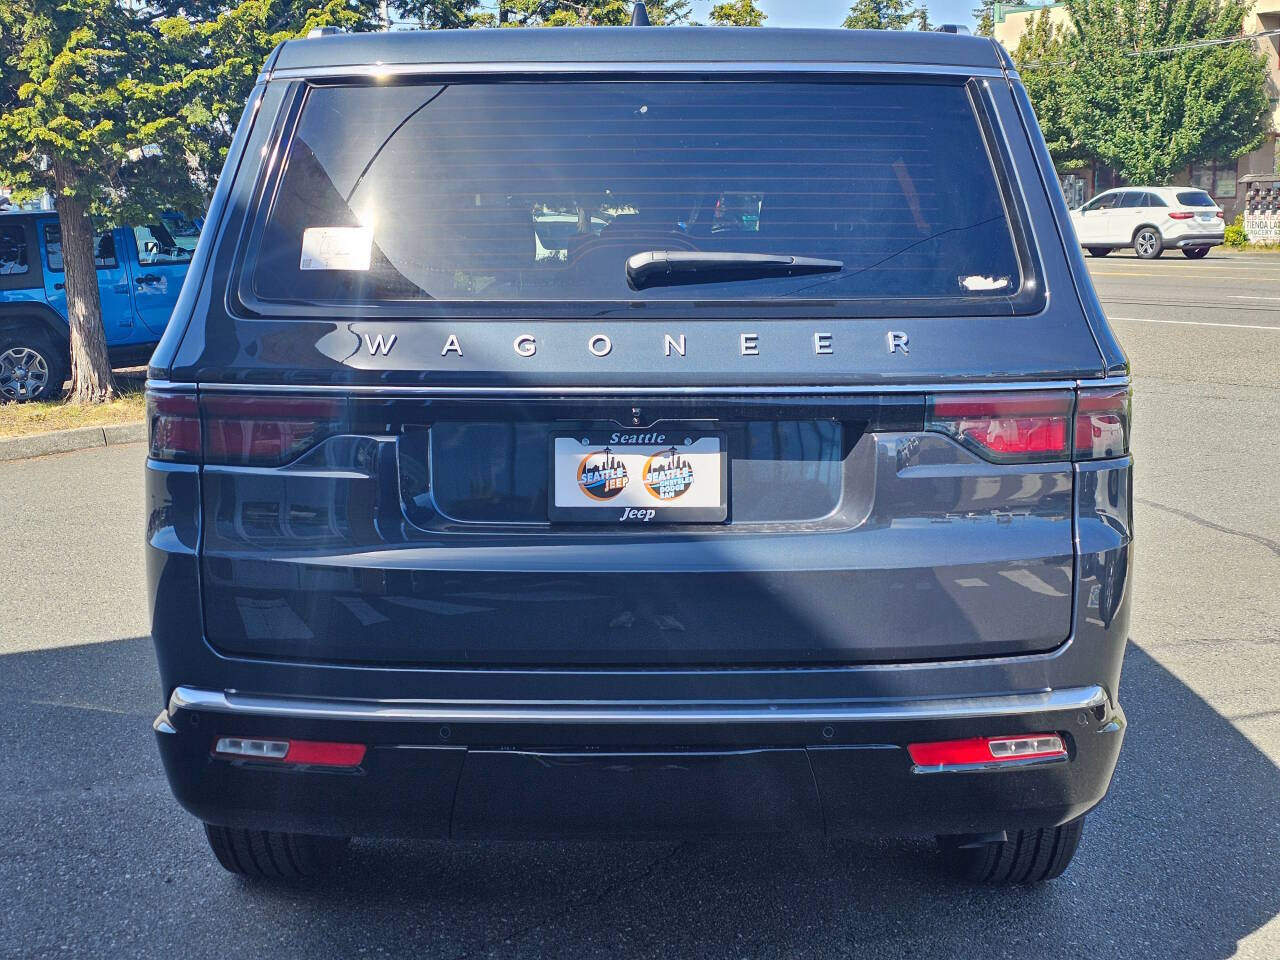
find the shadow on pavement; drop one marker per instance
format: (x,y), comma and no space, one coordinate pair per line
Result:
(96,859)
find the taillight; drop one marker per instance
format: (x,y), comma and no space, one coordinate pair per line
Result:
(1181,215)
(1036,425)
(267,431)
(173,427)
(1220,215)
(1006,427)
(313,753)
(1102,423)
(261,431)
(986,750)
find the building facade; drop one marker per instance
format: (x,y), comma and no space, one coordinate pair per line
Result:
(1221,178)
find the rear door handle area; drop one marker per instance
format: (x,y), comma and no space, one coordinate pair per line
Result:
(147,278)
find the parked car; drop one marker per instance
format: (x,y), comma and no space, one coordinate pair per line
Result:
(1150,220)
(140,271)
(817,525)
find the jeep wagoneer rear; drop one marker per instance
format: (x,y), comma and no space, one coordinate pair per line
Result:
(640,433)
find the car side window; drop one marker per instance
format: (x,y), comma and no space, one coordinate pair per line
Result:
(1155,200)
(1132,198)
(104,249)
(157,246)
(1105,202)
(13,251)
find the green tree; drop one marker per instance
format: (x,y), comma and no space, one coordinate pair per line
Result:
(87,84)
(1041,55)
(438,14)
(66,130)
(668,13)
(985,15)
(1129,93)
(885,15)
(738,13)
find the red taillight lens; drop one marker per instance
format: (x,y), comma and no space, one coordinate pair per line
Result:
(1006,427)
(975,750)
(1180,215)
(1102,423)
(1221,215)
(173,427)
(315,753)
(267,431)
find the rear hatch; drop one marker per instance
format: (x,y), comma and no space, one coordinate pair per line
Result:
(591,372)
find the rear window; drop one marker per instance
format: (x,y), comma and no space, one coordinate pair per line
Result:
(1195,198)
(517,192)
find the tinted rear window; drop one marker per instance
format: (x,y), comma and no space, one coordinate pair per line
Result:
(541,192)
(1195,198)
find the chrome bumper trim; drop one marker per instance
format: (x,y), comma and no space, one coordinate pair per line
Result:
(628,392)
(258,705)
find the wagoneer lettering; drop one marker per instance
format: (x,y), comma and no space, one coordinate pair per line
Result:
(631,479)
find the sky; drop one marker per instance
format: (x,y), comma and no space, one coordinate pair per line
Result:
(831,13)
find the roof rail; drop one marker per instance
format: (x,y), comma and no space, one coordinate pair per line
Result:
(640,15)
(959,28)
(323,32)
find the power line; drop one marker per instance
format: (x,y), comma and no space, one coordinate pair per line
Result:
(1173,48)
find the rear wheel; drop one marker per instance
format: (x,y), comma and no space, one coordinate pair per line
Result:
(1147,243)
(1027,856)
(1099,251)
(30,367)
(266,853)
(1195,253)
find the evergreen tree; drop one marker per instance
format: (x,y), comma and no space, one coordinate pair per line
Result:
(668,13)
(985,15)
(884,15)
(86,85)
(438,14)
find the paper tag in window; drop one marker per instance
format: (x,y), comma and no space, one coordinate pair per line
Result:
(336,248)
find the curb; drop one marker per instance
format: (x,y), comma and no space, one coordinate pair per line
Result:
(77,438)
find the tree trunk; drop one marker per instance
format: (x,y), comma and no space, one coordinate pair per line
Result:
(91,378)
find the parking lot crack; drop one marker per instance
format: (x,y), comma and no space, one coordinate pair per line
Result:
(1272,545)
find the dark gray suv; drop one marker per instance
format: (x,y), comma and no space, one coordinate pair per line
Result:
(644,433)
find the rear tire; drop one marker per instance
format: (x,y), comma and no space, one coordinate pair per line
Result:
(1028,856)
(31,368)
(1195,253)
(1147,243)
(264,854)
(1099,251)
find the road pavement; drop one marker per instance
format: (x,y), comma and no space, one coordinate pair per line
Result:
(1182,860)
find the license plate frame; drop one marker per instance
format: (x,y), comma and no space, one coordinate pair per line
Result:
(672,455)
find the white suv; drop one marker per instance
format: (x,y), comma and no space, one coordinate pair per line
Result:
(1150,219)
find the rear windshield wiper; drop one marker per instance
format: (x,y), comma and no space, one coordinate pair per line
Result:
(669,268)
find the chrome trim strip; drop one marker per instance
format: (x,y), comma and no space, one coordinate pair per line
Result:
(633,391)
(256,705)
(533,67)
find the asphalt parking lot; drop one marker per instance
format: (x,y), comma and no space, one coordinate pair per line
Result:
(1183,859)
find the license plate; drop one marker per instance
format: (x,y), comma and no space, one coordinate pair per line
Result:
(1208,216)
(642,476)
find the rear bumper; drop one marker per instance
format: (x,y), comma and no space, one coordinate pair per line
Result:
(638,769)
(1198,240)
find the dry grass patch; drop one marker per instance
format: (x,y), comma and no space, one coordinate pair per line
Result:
(23,419)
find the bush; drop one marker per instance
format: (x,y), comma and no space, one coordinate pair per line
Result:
(1234,235)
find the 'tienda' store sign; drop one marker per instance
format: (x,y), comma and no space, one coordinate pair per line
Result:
(1262,212)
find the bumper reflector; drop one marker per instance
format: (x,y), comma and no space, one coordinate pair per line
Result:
(986,750)
(316,753)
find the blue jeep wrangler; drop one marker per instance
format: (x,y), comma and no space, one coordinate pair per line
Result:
(140,271)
